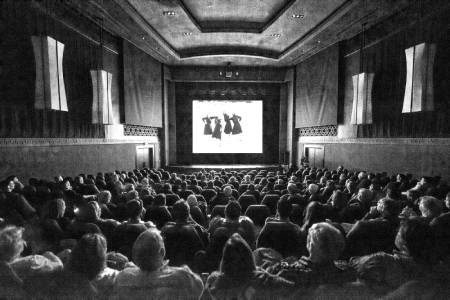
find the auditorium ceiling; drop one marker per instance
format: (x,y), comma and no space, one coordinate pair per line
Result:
(242,32)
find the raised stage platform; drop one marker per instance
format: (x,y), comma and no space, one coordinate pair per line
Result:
(196,168)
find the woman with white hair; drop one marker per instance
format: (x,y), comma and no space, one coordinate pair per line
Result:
(325,243)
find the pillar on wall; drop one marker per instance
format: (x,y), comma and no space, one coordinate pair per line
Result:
(362,98)
(50,91)
(101,101)
(419,78)
(291,145)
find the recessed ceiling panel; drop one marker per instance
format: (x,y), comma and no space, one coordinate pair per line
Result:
(259,11)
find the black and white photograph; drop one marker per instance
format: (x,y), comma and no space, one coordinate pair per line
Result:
(224,149)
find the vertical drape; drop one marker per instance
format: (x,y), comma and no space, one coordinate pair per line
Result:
(142,87)
(317,89)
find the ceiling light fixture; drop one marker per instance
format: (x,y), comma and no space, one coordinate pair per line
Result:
(187,33)
(169,13)
(298,16)
(276,35)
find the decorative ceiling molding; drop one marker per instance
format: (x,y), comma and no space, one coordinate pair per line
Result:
(234,26)
(232,50)
(271,37)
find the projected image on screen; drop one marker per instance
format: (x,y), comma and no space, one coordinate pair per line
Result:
(227,126)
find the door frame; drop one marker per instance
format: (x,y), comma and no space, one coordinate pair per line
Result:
(144,146)
(315,146)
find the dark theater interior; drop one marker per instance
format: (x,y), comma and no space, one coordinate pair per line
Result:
(224,149)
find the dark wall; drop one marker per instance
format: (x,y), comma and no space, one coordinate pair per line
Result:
(18,118)
(395,142)
(70,160)
(427,158)
(142,87)
(186,92)
(385,56)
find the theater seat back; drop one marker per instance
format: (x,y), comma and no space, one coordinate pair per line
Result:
(258,214)
(246,200)
(283,238)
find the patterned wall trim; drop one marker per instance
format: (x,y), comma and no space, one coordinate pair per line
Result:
(379,141)
(329,130)
(45,142)
(138,130)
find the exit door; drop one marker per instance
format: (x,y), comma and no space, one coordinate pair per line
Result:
(315,155)
(144,157)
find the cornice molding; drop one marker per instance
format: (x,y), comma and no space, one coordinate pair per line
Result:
(374,141)
(46,142)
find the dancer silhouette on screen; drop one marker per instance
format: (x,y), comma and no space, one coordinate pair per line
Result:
(208,128)
(217,133)
(237,126)
(228,128)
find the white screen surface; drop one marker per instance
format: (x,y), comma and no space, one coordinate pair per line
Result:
(243,134)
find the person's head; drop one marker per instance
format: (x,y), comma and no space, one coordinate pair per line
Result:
(313,188)
(232,210)
(192,200)
(447,200)
(104,197)
(365,197)
(148,250)
(134,209)
(132,195)
(160,200)
(284,208)
(291,188)
(56,208)
(430,207)
(387,207)
(227,191)
(415,237)
(325,243)
(89,255)
(237,259)
(67,185)
(79,180)
(393,191)
(338,200)
(314,213)
(11,243)
(181,210)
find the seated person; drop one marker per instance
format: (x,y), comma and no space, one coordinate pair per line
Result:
(197,214)
(430,207)
(77,280)
(281,234)
(382,272)
(183,238)
(11,246)
(325,244)
(184,192)
(373,235)
(222,198)
(158,212)
(153,278)
(251,190)
(235,223)
(126,233)
(239,277)
(83,222)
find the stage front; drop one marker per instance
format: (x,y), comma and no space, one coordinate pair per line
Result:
(229,167)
